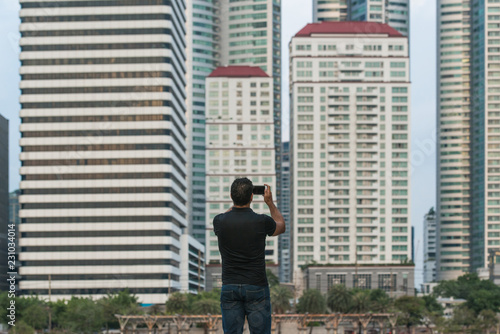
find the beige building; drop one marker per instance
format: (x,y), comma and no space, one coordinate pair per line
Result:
(239,143)
(350,111)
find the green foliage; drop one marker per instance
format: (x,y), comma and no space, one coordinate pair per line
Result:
(339,299)
(479,294)
(33,311)
(206,306)
(280,298)
(361,302)
(380,302)
(411,310)
(120,303)
(272,279)
(312,301)
(177,303)
(83,315)
(21,328)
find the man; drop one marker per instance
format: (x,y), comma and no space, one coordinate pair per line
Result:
(242,242)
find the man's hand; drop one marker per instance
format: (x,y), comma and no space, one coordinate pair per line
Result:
(275,213)
(268,195)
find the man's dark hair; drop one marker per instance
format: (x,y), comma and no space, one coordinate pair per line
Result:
(241,191)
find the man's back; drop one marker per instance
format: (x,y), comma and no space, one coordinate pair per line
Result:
(242,240)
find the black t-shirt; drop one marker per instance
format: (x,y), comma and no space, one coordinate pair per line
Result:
(242,242)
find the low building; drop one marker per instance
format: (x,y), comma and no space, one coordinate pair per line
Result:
(192,265)
(214,275)
(397,280)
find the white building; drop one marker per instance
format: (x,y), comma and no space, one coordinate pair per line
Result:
(103,202)
(395,13)
(192,265)
(349,141)
(430,247)
(240,143)
(228,33)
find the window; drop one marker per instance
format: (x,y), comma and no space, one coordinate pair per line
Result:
(336,279)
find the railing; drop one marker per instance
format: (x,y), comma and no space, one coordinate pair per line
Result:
(332,322)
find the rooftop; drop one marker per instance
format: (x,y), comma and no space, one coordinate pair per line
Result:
(238,72)
(348,27)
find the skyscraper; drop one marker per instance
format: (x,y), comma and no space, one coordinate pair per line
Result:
(284,245)
(395,13)
(226,33)
(103,177)
(349,142)
(4,199)
(240,143)
(203,55)
(430,246)
(468,124)
(251,35)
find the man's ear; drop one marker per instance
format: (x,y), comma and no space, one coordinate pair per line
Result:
(251,198)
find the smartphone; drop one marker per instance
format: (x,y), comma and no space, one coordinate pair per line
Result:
(259,190)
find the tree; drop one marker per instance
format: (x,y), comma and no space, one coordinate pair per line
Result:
(206,306)
(280,298)
(118,303)
(21,328)
(339,299)
(361,302)
(177,303)
(487,320)
(380,302)
(463,318)
(479,294)
(312,301)
(83,315)
(411,311)
(433,312)
(33,311)
(272,279)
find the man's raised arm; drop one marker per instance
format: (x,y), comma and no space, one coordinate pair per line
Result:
(275,213)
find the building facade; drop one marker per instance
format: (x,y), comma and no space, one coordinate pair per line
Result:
(396,281)
(103,180)
(349,143)
(284,244)
(226,33)
(394,13)
(468,121)
(240,143)
(430,247)
(203,56)
(192,265)
(4,202)
(251,35)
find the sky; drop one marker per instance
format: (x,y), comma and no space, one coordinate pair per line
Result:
(295,15)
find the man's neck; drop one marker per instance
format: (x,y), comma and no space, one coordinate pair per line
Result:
(242,206)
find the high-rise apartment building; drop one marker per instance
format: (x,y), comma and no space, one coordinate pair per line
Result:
(226,33)
(468,124)
(395,13)
(203,55)
(284,244)
(349,143)
(4,201)
(103,179)
(251,35)
(240,143)
(430,247)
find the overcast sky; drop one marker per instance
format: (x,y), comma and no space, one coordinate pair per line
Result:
(295,14)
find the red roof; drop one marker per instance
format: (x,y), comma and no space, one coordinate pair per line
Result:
(349,27)
(238,72)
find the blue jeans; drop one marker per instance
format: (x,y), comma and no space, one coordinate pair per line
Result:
(252,301)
